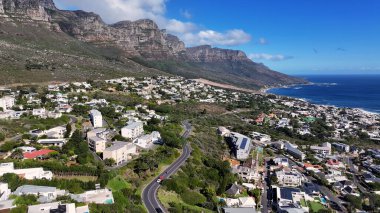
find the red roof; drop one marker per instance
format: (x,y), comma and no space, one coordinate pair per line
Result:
(42,152)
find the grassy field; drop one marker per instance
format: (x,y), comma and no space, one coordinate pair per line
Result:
(118,183)
(167,197)
(81,178)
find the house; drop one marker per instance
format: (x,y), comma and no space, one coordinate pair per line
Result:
(36,133)
(333,163)
(132,130)
(26,149)
(283,162)
(325,149)
(289,199)
(311,189)
(7,102)
(100,196)
(289,178)
(44,193)
(234,190)
(41,112)
(58,208)
(96,118)
(29,173)
(120,152)
(147,141)
(247,202)
(56,132)
(37,154)
(239,210)
(52,142)
(241,145)
(311,167)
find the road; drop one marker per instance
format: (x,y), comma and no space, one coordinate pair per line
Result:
(149,195)
(265,196)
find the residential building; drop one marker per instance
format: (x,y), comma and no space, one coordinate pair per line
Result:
(293,150)
(132,130)
(120,152)
(96,144)
(242,145)
(7,102)
(58,208)
(100,196)
(325,149)
(52,142)
(96,139)
(341,147)
(289,178)
(223,131)
(44,193)
(29,174)
(96,118)
(56,132)
(37,154)
(41,112)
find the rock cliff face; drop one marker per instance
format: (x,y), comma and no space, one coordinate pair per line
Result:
(26,10)
(140,38)
(206,53)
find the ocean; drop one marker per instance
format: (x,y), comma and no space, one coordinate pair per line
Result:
(353,91)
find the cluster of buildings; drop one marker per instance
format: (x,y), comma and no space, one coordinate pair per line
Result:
(47,198)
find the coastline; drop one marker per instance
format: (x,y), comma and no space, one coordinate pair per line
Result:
(266,92)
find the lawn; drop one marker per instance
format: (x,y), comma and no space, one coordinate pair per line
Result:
(118,183)
(315,206)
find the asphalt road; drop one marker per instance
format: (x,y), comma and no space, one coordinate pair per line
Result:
(149,195)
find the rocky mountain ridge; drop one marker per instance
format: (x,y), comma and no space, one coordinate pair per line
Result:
(142,40)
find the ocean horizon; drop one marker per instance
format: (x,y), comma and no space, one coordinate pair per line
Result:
(351,91)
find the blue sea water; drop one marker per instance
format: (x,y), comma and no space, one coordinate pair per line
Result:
(354,91)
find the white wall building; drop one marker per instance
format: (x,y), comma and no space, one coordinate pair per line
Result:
(97,139)
(52,142)
(289,178)
(56,132)
(29,174)
(293,150)
(242,144)
(96,118)
(44,193)
(7,102)
(132,130)
(120,152)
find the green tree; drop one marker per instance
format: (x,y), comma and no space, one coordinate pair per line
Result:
(109,161)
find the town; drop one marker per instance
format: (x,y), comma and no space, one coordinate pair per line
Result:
(69,145)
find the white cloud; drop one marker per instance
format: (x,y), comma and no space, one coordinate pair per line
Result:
(192,34)
(229,38)
(270,57)
(186,14)
(262,41)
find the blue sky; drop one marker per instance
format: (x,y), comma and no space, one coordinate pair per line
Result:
(291,36)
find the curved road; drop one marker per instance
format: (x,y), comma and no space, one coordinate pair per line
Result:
(149,195)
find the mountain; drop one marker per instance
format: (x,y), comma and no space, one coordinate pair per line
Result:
(36,37)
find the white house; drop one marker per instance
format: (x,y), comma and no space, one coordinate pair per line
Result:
(52,142)
(100,196)
(57,207)
(289,178)
(41,112)
(29,174)
(242,145)
(44,193)
(96,118)
(97,139)
(56,132)
(132,130)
